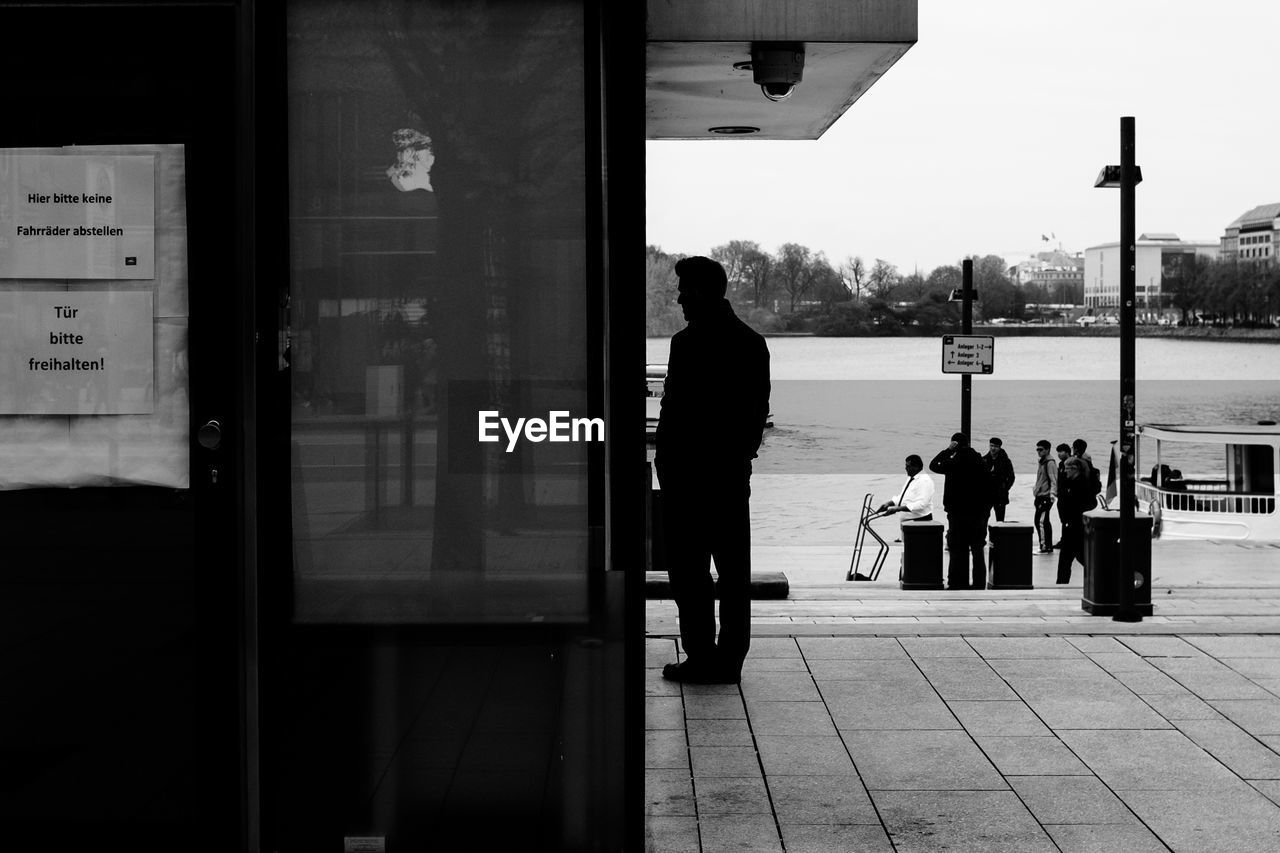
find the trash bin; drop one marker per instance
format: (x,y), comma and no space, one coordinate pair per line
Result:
(1102,563)
(921,555)
(1009,558)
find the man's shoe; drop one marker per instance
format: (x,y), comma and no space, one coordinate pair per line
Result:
(691,672)
(1044,551)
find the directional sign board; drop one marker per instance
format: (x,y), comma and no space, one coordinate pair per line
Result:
(968,353)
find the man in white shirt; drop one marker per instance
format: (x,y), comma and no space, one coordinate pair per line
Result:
(916,500)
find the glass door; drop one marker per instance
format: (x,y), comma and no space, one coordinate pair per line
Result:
(439,643)
(120,273)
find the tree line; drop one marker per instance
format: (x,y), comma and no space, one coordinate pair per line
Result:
(798,289)
(1223,291)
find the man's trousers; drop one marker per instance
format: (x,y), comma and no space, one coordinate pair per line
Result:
(1071,548)
(706,517)
(1044,522)
(966,533)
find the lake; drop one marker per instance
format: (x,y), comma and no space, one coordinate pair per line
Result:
(846,411)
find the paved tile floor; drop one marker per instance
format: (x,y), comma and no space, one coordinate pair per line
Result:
(1029,743)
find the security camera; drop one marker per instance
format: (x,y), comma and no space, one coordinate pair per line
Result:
(776,67)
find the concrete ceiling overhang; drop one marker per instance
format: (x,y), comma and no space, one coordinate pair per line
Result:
(692,86)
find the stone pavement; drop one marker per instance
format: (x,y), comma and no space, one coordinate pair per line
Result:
(1019,744)
(875,719)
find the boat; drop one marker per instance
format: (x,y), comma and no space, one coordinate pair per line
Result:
(1210,482)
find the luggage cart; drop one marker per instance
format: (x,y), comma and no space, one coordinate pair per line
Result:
(864,527)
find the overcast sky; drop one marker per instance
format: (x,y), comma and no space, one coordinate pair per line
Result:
(989,133)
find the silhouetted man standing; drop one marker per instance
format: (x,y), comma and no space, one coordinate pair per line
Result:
(966,496)
(714,409)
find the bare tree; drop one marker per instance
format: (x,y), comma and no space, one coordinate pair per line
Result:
(882,279)
(1188,287)
(991,281)
(795,271)
(854,272)
(828,285)
(944,279)
(662,314)
(912,287)
(748,269)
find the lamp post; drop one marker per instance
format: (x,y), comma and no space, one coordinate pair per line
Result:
(966,328)
(965,296)
(1126,176)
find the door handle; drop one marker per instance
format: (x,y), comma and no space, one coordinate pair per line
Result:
(210,435)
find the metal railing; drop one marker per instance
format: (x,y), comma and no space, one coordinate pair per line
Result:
(1207,497)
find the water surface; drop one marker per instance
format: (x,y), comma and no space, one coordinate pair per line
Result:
(848,410)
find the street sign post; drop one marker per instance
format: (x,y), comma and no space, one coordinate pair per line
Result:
(968,354)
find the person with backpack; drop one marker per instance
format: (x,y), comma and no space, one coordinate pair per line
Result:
(1074,500)
(1093,478)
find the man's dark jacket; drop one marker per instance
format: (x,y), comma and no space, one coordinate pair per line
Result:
(716,398)
(1000,471)
(967,488)
(1075,497)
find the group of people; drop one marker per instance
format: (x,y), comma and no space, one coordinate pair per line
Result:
(1075,485)
(977,486)
(714,408)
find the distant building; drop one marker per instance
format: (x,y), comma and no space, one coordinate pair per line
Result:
(1059,273)
(1159,256)
(1254,236)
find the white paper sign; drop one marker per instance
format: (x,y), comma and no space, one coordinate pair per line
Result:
(85,352)
(77,216)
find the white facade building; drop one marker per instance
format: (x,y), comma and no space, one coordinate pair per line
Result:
(1159,256)
(1059,273)
(1254,236)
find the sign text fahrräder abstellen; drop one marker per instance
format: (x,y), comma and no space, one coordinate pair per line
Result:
(69,231)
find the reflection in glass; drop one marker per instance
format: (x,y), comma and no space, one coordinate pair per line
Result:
(437,191)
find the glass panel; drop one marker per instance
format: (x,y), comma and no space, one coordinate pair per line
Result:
(438,271)
(1210,467)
